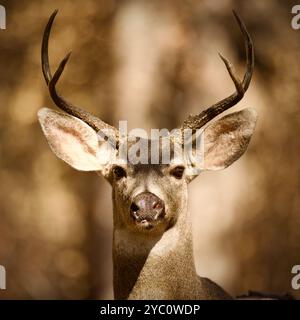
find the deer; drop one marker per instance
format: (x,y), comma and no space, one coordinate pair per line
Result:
(152,233)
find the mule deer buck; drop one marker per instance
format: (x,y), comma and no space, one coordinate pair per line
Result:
(152,237)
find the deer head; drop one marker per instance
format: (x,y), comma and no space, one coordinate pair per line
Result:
(144,194)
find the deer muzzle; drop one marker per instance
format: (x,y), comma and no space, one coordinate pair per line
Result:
(147,208)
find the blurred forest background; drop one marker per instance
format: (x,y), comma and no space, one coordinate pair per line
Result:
(151,63)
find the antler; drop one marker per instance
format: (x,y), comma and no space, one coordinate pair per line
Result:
(66,106)
(198,121)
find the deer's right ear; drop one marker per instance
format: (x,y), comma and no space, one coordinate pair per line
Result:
(72,140)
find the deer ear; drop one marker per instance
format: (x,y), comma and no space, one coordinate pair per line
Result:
(72,140)
(227,139)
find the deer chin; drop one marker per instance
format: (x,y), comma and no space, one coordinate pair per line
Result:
(149,226)
(145,224)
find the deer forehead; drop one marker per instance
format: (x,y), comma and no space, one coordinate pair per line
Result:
(157,152)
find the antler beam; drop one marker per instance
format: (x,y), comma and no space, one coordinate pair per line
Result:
(66,106)
(197,121)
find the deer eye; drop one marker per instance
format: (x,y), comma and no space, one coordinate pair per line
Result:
(177,172)
(119,172)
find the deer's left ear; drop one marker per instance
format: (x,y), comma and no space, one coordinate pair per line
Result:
(227,139)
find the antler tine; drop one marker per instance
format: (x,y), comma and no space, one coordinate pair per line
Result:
(66,106)
(44,52)
(198,121)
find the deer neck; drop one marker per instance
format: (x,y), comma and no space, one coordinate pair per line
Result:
(154,267)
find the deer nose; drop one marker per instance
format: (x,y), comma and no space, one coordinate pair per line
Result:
(147,206)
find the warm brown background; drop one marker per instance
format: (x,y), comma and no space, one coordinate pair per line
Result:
(152,63)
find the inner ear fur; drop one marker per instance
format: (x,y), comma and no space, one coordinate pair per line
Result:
(71,139)
(227,139)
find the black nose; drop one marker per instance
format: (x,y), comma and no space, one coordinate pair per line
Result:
(147,206)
